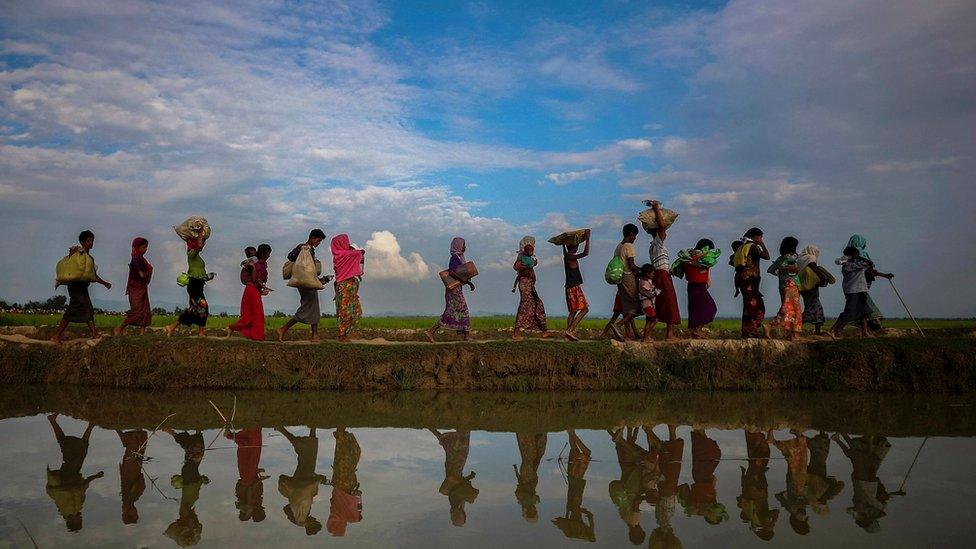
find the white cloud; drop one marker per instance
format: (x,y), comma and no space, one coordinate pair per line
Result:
(385,261)
(565,178)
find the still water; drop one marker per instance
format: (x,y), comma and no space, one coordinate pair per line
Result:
(86,467)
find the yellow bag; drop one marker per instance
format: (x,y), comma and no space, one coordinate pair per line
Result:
(304,271)
(808,279)
(75,267)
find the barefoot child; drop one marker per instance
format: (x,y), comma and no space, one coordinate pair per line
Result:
(648,294)
(575,299)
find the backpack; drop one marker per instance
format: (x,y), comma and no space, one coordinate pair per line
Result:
(615,271)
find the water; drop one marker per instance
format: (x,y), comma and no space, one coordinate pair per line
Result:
(501,473)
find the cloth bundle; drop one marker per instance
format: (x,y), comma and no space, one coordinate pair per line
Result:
(192,228)
(705,257)
(569,237)
(75,267)
(649,220)
(304,271)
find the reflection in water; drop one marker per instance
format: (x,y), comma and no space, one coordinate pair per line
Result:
(130,472)
(783,473)
(532,447)
(186,529)
(456,486)
(577,523)
(302,486)
(346,504)
(754,501)
(249,489)
(66,485)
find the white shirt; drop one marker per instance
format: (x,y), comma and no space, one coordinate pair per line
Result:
(659,254)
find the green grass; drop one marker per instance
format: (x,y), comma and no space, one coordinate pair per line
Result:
(417,322)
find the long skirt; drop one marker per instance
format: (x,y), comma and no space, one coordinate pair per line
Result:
(251,323)
(666,303)
(140,313)
(701,306)
(348,308)
(308,310)
(531,311)
(813,312)
(790,315)
(856,309)
(628,297)
(79,307)
(753,307)
(455,316)
(197,312)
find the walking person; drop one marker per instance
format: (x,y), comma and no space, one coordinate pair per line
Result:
(628,290)
(746,262)
(575,299)
(308,311)
(137,288)
(197,311)
(857,270)
(666,304)
(694,265)
(787,270)
(348,264)
(531,313)
(255,277)
(813,311)
(80,309)
(455,316)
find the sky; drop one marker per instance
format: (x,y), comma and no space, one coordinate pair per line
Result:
(406,124)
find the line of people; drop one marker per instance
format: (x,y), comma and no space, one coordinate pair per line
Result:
(642,290)
(649,474)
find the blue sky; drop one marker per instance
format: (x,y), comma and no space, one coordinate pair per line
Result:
(404,124)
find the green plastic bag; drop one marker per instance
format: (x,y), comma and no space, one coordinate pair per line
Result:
(615,271)
(76,267)
(183,279)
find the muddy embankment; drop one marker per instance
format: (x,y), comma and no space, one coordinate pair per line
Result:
(899,364)
(894,415)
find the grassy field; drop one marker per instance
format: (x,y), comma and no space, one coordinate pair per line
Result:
(418,322)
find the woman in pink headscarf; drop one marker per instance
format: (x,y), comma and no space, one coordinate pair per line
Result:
(456,316)
(137,288)
(348,264)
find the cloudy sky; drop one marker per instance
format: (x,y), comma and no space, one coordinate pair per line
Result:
(404,125)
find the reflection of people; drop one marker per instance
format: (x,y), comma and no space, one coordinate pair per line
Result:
(302,486)
(870,496)
(700,498)
(754,501)
(346,504)
(532,446)
(669,463)
(250,483)
(573,525)
(820,487)
(794,498)
(456,486)
(637,473)
(186,529)
(130,472)
(66,486)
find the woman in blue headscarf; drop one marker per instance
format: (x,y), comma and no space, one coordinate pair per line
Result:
(874,313)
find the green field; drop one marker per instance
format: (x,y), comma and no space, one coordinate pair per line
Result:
(417,322)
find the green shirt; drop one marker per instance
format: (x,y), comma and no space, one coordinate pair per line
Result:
(195,266)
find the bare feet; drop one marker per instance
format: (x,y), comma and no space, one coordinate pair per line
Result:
(832,334)
(169,330)
(571,336)
(96,335)
(616,332)
(545,334)
(118,330)
(766,333)
(429,336)
(201,334)
(281,334)
(343,339)
(229,332)
(517,337)
(56,339)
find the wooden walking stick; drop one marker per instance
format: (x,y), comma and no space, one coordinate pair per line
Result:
(919,328)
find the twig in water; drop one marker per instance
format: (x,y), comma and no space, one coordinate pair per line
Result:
(143,447)
(26,531)
(221,414)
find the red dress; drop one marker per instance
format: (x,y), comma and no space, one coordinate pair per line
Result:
(251,323)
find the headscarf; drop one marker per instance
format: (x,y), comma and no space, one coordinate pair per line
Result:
(526,241)
(809,254)
(859,242)
(457,248)
(346,262)
(137,252)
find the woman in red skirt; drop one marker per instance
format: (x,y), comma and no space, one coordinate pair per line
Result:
(254,276)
